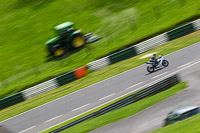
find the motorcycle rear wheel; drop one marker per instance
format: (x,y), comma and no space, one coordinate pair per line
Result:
(150,69)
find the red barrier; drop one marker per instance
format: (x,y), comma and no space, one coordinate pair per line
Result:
(80,72)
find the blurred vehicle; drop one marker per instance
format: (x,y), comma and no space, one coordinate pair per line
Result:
(181,113)
(68,37)
(156,63)
(5,129)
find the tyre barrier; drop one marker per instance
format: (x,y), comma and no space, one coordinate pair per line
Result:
(11,100)
(122,55)
(98,64)
(151,43)
(180,31)
(40,88)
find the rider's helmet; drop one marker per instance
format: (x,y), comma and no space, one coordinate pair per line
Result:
(153,57)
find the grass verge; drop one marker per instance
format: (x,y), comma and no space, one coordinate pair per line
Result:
(27,24)
(190,125)
(119,114)
(99,75)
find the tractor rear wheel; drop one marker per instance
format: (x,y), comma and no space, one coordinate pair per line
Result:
(58,52)
(78,41)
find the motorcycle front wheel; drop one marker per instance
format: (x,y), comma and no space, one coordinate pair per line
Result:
(165,63)
(150,69)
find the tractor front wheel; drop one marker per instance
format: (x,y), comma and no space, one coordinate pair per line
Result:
(78,41)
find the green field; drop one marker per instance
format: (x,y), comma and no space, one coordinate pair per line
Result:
(119,114)
(26,25)
(190,125)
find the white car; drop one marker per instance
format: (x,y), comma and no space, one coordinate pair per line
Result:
(181,113)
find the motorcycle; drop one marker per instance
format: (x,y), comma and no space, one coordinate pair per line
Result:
(161,62)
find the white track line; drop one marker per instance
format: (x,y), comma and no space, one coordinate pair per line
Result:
(134,85)
(189,65)
(159,75)
(107,96)
(53,118)
(184,65)
(94,84)
(27,129)
(98,106)
(80,107)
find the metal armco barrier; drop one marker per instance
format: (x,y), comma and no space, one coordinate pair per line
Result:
(147,92)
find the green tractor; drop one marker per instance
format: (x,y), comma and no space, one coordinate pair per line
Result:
(68,38)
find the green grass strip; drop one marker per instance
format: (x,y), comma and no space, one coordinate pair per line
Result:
(119,114)
(190,125)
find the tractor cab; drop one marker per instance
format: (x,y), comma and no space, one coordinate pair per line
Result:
(64,28)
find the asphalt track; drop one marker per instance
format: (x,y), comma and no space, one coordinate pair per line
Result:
(88,98)
(152,118)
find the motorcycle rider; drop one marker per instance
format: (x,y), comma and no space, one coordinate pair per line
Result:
(154,59)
